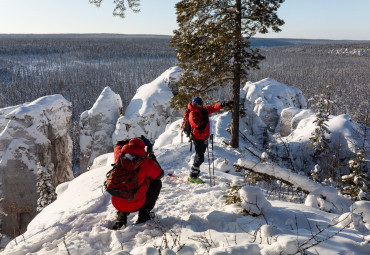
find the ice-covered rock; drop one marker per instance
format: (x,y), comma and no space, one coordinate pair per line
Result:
(149,110)
(32,133)
(97,126)
(268,97)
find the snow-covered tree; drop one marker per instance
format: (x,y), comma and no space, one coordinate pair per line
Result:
(357,183)
(213,46)
(45,187)
(315,173)
(319,142)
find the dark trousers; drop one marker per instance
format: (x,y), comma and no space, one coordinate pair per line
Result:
(152,195)
(200,149)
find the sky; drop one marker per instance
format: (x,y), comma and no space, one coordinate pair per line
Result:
(309,19)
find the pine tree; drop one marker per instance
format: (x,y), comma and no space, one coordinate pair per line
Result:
(45,188)
(213,47)
(356,184)
(120,7)
(319,142)
(315,174)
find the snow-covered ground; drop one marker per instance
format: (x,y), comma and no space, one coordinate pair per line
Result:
(190,218)
(195,219)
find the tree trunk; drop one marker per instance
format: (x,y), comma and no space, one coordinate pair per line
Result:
(236,80)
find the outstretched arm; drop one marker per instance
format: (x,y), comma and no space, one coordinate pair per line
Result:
(213,108)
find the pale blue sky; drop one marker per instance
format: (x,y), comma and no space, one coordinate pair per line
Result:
(311,19)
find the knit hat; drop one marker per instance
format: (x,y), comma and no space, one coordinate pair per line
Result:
(197,100)
(135,147)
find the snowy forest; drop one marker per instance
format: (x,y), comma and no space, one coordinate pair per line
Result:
(74,65)
(80,66)
(303,147)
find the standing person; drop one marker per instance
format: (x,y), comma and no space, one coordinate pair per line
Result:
(199,122)
(149,184)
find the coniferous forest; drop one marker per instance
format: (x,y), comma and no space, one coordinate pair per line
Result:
(80,66)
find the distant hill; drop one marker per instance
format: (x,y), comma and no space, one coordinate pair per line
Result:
(255,42)
(272,42)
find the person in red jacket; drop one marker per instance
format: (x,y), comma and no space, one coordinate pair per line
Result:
(199,122)
(149,182)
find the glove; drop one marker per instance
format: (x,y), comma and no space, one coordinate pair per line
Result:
(227,104)
(148,144)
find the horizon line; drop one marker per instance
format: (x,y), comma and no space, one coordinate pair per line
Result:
(164,35)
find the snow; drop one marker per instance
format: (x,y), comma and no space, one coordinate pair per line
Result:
(80,219)
(97,126)
(253,200)
(194,219)
(345,137)
(149,110)
(363,208)
(269,97)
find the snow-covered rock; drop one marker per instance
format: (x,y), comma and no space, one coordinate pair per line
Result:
(195,216)
(352,220)
(345,137)
(253,126)
(97,126)
(32,133)
(268,97)
(253,200)
(363,208)
(328,199)
(290,117)
(149,110)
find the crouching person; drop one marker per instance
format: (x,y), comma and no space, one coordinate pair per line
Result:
(134,182)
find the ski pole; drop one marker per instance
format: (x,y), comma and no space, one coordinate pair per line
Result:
(213,162)
(209,166)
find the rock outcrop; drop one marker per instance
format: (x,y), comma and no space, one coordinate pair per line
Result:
(149,110)
(97,126)
(267,98)
(32,133)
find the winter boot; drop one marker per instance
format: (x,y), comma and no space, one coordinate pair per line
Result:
(121,220)
(145,218)
(196,180)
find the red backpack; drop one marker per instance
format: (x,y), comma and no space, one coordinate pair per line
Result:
(186,127)
(122,180)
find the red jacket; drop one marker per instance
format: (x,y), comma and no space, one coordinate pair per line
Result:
(149,170)
(196,120)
